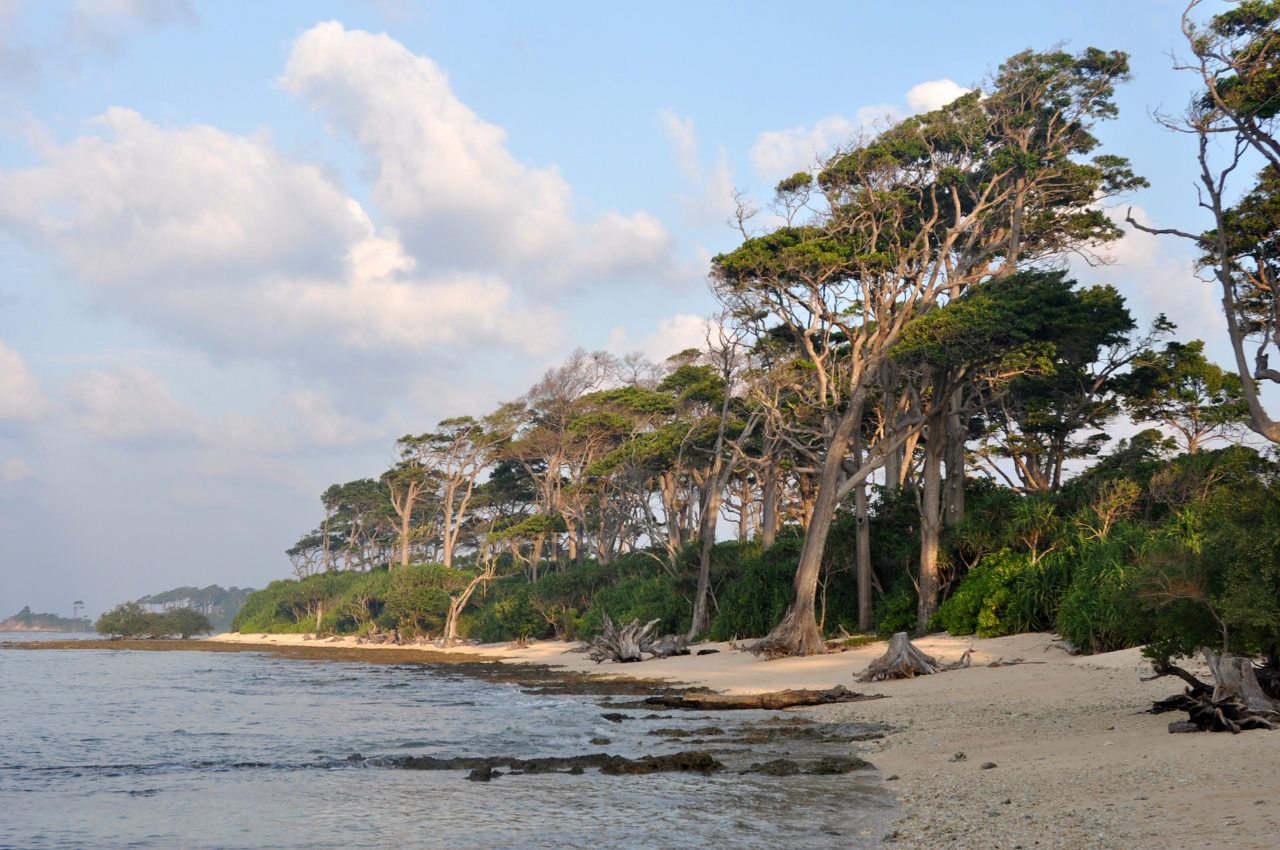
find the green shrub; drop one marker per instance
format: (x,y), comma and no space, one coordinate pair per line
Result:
(753,604)
(896,611)
(1094,614)
(981,603)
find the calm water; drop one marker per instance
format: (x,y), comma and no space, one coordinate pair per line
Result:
(105,748)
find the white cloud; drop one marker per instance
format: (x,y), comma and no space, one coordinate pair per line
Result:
(221,240)
(781,153)
(145,203)
(934,94)
(1155,275)
(444,174)
(20,394)
(15,469)
(672,335)
(712,199)
(129,403)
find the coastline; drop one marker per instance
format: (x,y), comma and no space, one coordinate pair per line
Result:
(1079,764)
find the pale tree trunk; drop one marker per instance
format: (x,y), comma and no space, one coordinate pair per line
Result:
(862,543)
(457,603)
(953,510)
(798,633)
(930,521)
(768,507)
(701,618)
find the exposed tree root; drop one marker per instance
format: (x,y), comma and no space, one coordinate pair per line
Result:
(1235,702)
(903,661)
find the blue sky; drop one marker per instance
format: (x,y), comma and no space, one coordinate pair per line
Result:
(244,246)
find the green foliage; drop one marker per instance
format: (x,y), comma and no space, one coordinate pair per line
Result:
(130,619)
(753,604)
(981,603)
(896,610)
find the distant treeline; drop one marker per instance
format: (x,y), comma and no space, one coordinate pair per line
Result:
(1142,548)
(28,621)
(218,604)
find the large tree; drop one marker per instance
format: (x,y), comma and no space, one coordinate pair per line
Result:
(899,226)
(1236,58)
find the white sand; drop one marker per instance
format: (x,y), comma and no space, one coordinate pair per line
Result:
(1078,763)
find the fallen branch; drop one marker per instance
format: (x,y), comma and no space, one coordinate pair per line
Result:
(771,700)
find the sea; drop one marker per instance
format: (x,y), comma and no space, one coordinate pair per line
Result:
(119,748)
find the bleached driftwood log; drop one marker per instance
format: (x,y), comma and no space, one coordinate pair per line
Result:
(621,643)
(903,661)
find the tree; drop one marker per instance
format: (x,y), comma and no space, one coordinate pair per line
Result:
(1180,389)
(186,622)
(901,225)
(1236,57)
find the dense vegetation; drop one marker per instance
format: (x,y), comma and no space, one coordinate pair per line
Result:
(904,409)
(130,619)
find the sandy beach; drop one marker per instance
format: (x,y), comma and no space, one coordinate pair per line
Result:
(1077,762)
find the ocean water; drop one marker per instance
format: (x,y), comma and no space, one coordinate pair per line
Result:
(115,748)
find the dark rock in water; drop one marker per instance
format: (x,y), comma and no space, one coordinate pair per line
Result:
(482,769)
(1183,726)
(832,765)
(614,717)
(693,761)
(483,774)
(777,767)
(708,651)
(600,742)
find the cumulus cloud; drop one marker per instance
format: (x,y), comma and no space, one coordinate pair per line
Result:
(445,175)
(671,336)
(781,153)
(220,239)
(129,403)
(141,203)
(20,395)
(934,94)
(1155,275)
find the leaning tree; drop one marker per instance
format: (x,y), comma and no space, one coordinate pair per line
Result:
(895,227)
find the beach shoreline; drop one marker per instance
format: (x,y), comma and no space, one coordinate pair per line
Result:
(1078,762)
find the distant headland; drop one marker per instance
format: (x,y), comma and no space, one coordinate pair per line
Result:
(28,621)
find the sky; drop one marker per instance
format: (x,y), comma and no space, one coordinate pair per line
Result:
(245,246)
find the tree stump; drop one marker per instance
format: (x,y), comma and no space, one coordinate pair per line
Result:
(903,661)
(621,643)
(1235,702)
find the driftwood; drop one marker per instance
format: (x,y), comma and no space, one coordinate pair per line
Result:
(621,643)
(1235,702)
(630,642)
(903,661)
(772,700)
(669,645)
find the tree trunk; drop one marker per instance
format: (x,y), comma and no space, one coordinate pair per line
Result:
(768,507)
(930,523)
(953,510)
(798,633)
(862,538)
